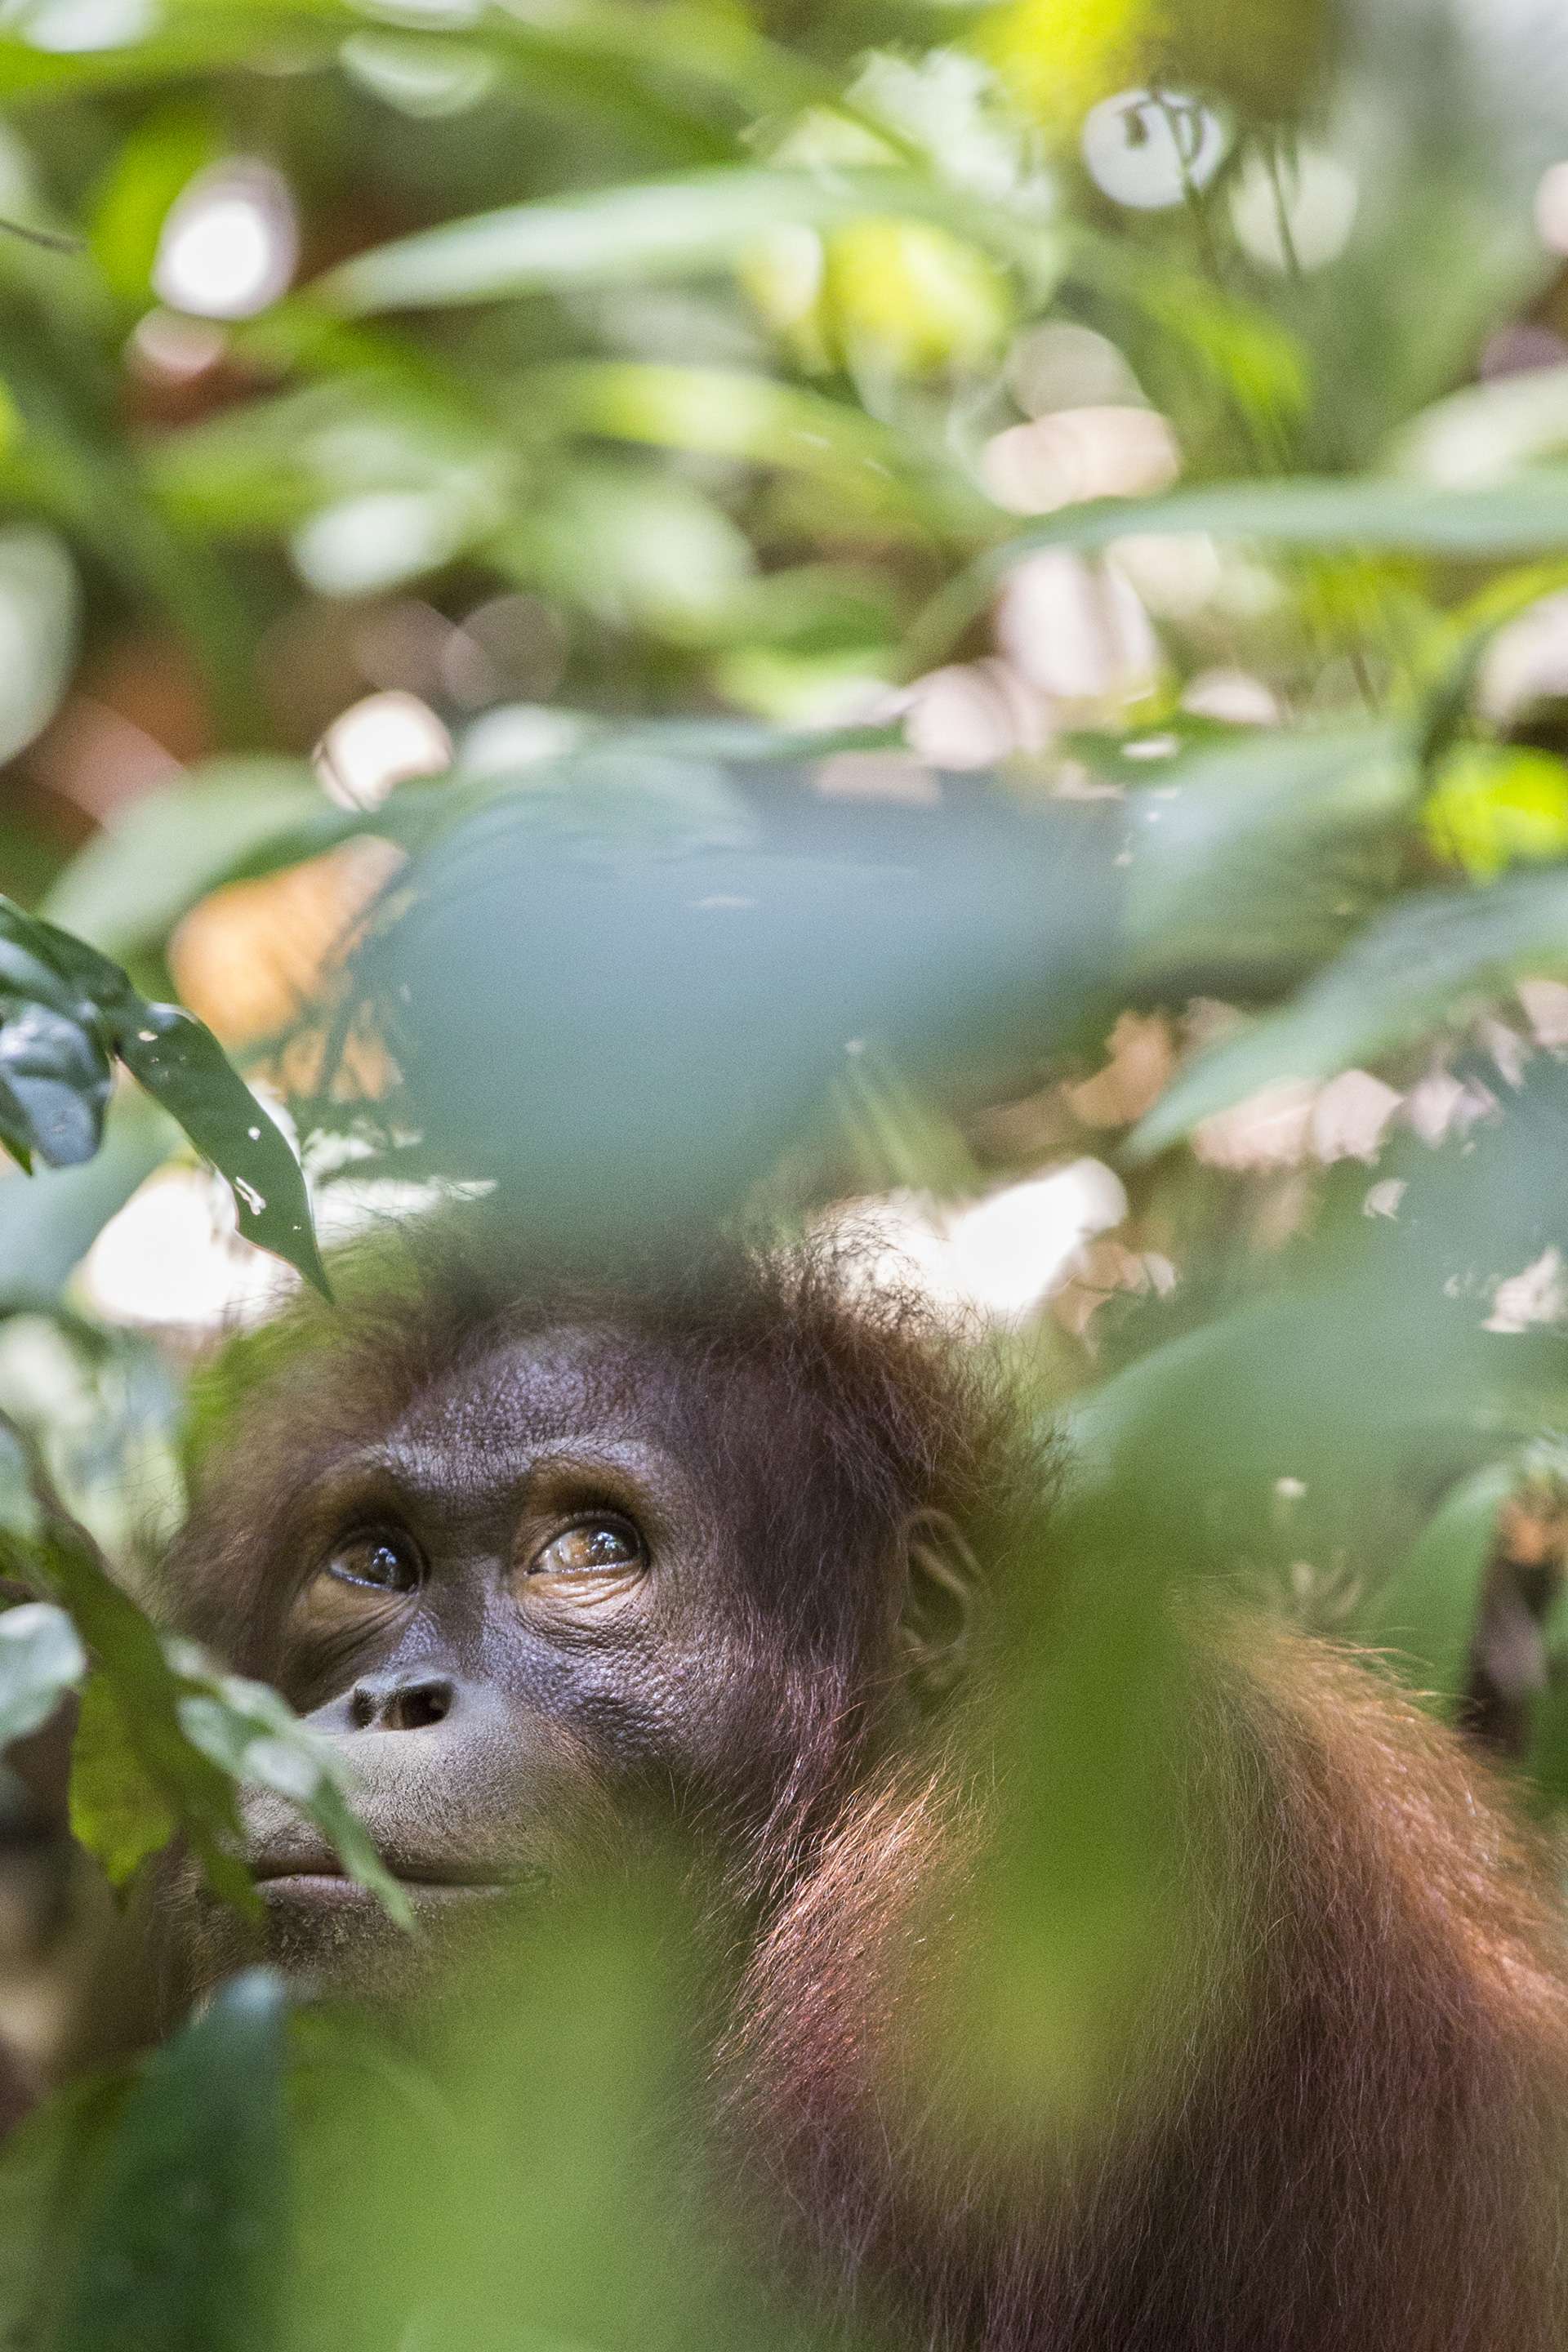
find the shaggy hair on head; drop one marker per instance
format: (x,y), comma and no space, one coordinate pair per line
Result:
(836,1395)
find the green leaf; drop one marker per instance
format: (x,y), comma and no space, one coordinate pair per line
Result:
(1432,958)
(721,411)
(254,1735)
(130,885)
(183,1066)
(623,64)
(129,1655)
(640,548)
(47,2168)
(41,1658)
(55,1078)
(657,229)
(1427,1612)
(184,2244)
(92,480)
(1257,854)
(117,1809)
(1527,515)
(56,1074)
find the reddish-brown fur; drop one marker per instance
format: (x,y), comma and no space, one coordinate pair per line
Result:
(1345,2129)
(1356,2136)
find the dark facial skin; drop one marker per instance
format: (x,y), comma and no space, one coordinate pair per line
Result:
(528,1616)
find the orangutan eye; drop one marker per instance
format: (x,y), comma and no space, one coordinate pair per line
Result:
(381,1560)
(592,1546)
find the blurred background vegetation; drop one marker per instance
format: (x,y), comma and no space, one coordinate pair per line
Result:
(1060,507)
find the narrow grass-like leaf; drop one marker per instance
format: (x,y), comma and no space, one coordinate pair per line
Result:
(1430,960)
(1527,515)
(658,229)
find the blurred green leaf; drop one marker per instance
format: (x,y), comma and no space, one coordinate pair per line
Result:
(1495,805)
(1526,515)
(723,412)
(118,1811)
(1285,1429)
(92,481)
(186,2234)
(636,547)
(1480,436)
(47,2168)
(129,1657)
(602,55)
(1255,858)
(1433,958)
(41,1658)
(128,889)
(1427,1612)
(149,169)
(255,1736)
(671,228)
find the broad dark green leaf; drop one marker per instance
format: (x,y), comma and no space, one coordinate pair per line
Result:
(53,1084)
(23,971)
(184,1067)
(185,2244)
(1433,958)
(55,1078)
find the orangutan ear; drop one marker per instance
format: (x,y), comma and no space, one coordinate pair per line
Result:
(941,1601)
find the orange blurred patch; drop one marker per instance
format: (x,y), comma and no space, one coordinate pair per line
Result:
(261,964)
